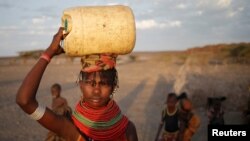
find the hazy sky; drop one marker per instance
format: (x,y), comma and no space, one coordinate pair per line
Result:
(161,24)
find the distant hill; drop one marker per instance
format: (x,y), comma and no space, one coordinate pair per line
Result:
(227,53)
(208,54)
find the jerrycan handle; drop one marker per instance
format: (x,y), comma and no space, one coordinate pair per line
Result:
(65,31)
(65,26)
(66,23)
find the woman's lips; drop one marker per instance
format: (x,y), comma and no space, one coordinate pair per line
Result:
(95,100)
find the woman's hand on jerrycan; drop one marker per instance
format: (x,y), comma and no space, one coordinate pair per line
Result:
(55,47)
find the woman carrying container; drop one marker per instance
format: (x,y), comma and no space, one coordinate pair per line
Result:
(97,117)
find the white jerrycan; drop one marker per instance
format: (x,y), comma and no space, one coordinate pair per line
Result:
(99,29)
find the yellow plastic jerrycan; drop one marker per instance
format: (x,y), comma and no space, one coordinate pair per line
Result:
(99,29)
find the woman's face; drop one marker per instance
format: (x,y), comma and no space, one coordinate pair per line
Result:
(96,91)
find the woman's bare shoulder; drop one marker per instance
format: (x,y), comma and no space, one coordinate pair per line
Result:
(131,132)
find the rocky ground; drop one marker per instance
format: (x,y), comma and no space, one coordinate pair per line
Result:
(144,81)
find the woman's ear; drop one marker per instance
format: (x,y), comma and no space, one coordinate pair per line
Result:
(82,99)
(81,84)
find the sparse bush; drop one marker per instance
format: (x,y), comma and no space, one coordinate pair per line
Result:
(30,54)
(132,57)
(241,50)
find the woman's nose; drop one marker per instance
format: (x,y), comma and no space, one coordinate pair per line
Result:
(97,88)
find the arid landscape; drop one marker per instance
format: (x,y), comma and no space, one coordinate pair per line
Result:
(145,78)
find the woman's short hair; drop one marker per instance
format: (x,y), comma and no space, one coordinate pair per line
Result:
(110,75)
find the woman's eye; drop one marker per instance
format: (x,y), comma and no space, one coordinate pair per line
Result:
(94,83)
(89,82)
(102,83)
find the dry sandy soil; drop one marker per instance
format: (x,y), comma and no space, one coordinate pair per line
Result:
(144,81)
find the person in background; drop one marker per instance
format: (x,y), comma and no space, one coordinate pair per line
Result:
(215,110)
(169,119)
(59,103)
(60,107)
(189,121)
(246,112)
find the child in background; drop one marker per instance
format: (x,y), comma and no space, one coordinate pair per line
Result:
(169,119)
(59,104)
(60,107)
(189,121)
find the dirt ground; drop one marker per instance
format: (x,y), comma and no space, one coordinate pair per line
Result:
(143,88)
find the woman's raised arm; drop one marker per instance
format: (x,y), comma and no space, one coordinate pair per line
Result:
(26,95)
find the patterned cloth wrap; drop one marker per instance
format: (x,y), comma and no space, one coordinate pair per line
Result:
(97,62)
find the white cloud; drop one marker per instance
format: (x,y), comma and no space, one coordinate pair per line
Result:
(112,3)
(39,31)
(199,13)
(40,20)
(202,3)
(40,26)
(241,9)
(224,3)
(156,2)
(148,24)
(36,32)
(11,27)
(235,12)
(34,43)
(31,30)
(116,3)
(232,13)
(8,30)
(175,24)
(214,3)
(181,6)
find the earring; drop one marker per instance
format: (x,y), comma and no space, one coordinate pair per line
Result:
(114,91)
(111,96)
